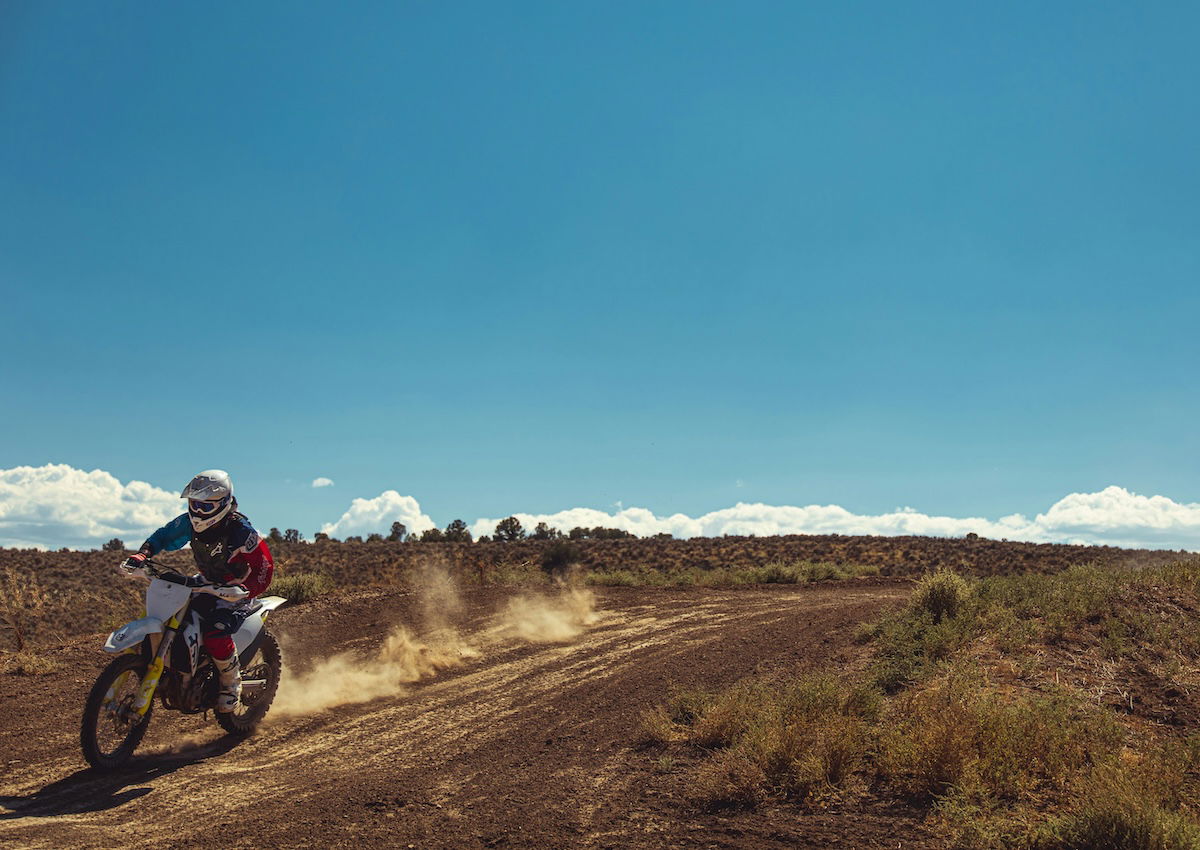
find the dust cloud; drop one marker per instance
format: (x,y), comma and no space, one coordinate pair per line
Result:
(347,677)
(407,657)
(537,618)
(403,658)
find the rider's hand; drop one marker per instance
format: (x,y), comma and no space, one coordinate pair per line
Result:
(134,562)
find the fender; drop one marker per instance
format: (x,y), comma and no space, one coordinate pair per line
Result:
(247,638)
(131,634)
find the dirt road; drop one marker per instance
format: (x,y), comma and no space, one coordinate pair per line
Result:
(526,745)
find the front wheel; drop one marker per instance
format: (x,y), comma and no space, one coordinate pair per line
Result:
(111,729)
(260,681)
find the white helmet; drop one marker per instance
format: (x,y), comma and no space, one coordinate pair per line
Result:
(210,498)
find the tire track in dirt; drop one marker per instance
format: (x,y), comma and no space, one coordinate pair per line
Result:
(525,741)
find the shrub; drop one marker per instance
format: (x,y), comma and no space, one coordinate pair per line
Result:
(657,728)
(959,730)
(23,602)
(800,736)
(731,779)
(943,594)
(614,578)
(302,587)
(1117,812)
(27,663)
(777,574)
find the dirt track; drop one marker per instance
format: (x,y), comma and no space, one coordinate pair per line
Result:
(530,745)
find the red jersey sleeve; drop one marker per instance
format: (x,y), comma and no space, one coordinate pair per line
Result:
(253,569)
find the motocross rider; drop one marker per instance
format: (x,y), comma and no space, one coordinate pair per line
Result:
(227,550)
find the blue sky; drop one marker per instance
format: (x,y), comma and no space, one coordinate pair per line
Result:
(542,256)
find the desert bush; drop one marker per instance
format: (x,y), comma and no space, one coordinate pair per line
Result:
(798,736)
(301,587)
(910,646)
(731,779)
(27,663)
(777,573)
(958,730)
(656,727)
(1117,811)
(616,578)
(23,601)
(943,594)
(686,705)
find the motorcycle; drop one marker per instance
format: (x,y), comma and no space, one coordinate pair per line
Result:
(162,654)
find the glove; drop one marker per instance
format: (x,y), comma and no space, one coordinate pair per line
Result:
(134,562)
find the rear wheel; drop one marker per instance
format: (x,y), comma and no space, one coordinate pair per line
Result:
(111,730)
(260,681)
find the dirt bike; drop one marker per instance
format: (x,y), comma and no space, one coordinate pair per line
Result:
(153,659)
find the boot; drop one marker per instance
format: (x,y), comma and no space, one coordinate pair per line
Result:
(230,672)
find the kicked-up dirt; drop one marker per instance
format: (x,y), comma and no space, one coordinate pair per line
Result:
(493,739)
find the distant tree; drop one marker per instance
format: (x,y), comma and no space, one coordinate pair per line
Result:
(114,545)
(545,532)
(354,538)
(320,537)
(399,532)
(664,535)
(559,556)
(483,538)
(456,532)
(509,529)
(432,535)
(374,537)
(600,533)
(291,536)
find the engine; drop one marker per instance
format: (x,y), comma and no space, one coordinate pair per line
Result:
(189,694)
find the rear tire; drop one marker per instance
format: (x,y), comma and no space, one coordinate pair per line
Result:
(267,664)
(107,738)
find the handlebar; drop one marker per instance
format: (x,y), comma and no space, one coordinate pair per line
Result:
(198,583)
(169,573)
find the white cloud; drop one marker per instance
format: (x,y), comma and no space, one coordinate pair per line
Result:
(377,515)
(322,482)
(57,505)
(1113,516)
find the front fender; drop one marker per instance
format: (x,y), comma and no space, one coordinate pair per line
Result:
(131,634)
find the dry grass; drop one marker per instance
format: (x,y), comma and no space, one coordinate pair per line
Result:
(960,731)
(23,604)
(800,572)
(27,663)
(1018,714)
(301,587)
(799,737)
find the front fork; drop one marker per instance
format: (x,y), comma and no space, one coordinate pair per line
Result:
(145,694)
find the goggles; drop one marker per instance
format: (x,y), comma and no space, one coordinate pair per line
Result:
(199,508)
